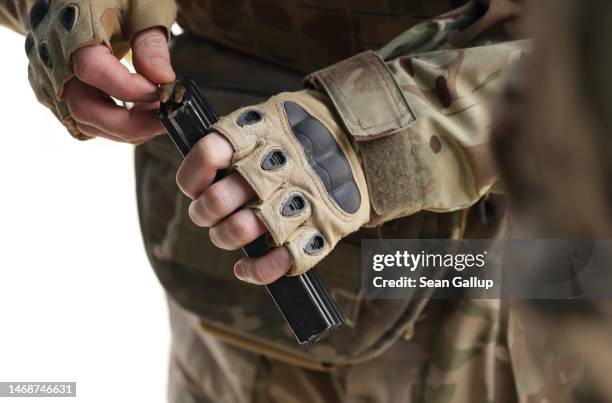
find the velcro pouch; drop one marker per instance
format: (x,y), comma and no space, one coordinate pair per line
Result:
(353,85)
(420,123)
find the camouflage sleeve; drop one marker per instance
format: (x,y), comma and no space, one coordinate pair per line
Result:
(418,110)
(14,14)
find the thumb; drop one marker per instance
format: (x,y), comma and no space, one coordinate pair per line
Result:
(151,56)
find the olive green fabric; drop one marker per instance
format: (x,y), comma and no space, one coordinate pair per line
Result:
(305,35)
(460,351)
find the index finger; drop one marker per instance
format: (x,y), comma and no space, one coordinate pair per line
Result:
(95,65)
(198,170)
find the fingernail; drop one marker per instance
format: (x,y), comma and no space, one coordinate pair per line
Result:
(240,271)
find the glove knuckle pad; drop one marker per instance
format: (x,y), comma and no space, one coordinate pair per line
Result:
(294,205)
(275,159)
(29,43)
(249,117)
(315,244)
(265,181)
(45,47)
(50,24)
(286,211)
(325,157)
(45,57)
(68,17)
(307,247)
(38,12)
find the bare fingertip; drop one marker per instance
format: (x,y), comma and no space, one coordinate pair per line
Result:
(213,238)
(240,270)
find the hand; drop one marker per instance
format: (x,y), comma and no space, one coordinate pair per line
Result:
(219,206)
(296,165)
(99,75)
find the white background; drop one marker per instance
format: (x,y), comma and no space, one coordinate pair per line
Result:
(78,299)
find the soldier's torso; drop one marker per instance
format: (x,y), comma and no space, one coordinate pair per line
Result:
(200,277)
(305,35)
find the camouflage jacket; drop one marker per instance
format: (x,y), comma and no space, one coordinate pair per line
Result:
(418,111)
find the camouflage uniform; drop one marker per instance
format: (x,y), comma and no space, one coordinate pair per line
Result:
(229,342)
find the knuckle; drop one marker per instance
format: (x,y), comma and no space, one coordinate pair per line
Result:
(215,201)
(204,151)
(259,274)
(237,231)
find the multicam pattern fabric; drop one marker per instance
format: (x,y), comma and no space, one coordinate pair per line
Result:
(442,352)
(459,352)
(179,248)
(243,317)
(306,35)
(431,117)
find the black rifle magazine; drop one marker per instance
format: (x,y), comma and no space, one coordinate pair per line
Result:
(304,301)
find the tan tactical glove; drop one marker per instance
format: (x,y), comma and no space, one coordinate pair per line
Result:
(61,27)
(304,170)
